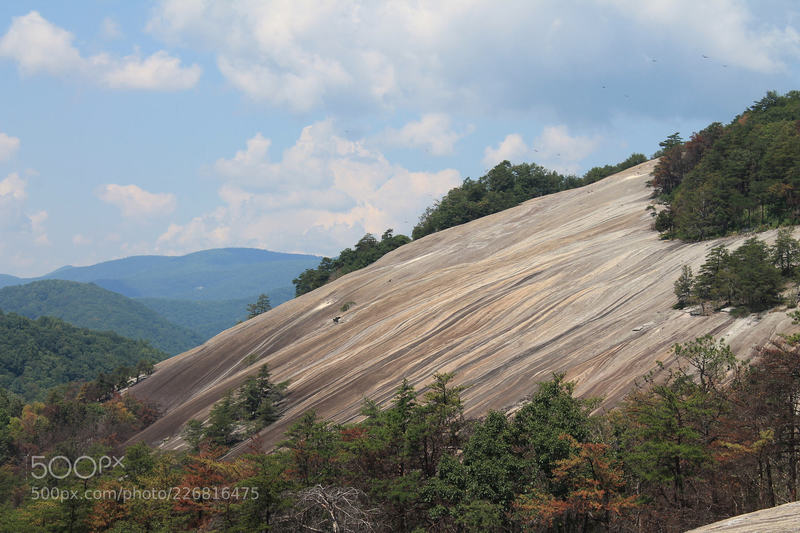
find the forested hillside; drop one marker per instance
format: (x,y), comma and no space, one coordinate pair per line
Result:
(36,355)
(88,306)
(742,176)
(206,318)
(686,448)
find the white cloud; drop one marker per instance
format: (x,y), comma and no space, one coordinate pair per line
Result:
(12,188)
(724,30)
(554,148)
(135,202)
(513,148)
(425,55)
(39,46)
(433,132)
(18,228)
(300,89)
(38,229)
(555,144)
(8,146)
(322,194)
(159,71)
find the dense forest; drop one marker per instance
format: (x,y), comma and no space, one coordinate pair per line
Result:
(36,355)
(88,306)
(703,437)
(736,177)
(503,187)
(204,317)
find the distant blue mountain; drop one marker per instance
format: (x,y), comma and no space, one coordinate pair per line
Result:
(6,280)
(220,274)
(205,292)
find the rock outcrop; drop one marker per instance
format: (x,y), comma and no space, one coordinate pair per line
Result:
(574,282)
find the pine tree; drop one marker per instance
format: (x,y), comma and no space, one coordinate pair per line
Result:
(683,287)
(261,305)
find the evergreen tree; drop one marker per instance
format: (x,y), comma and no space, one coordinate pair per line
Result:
(539,424)
(222,421)
(683,287)
(786,252)
(260,306)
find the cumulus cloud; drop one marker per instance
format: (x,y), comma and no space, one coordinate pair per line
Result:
(19,227)
(322,194)
(159,71)
(12,188)
(555,143)
(554,148)
(38,229)
(512,148)
(725,30)
(135,202)
(8,146)
(432,132)
(39,46)
(426,54)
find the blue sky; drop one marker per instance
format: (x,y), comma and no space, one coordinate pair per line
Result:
(174,126)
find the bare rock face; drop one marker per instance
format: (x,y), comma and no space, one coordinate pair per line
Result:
(781,519)
(573,282)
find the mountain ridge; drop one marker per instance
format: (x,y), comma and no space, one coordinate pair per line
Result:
(86,305)
(215,274)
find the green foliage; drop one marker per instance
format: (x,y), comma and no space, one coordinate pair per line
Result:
(221,422)
(664,222)
(786,252)
(667,144)
(36,355)
(208,317)
(259,401)
(366,251)
(539,424)
(86,305)
(750,276)
(735,177)
(683,286)
(139,460)
(256,404)
(504,186)
(598,173)
(261,305)
(668,425)
(193,433)
(705,439)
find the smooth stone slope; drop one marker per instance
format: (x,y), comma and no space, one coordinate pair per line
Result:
(781,519)
(574,282)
